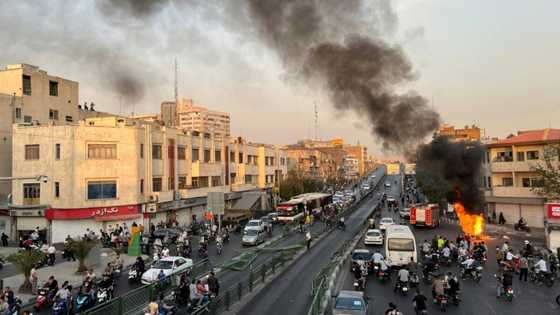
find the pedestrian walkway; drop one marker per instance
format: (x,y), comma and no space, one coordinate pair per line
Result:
(66,271)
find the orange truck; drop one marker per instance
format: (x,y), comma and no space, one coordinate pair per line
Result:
(425,215)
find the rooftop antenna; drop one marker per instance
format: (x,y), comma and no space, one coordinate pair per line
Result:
(316,116)
(176,84)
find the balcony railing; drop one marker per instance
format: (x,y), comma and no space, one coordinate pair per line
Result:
(500,159)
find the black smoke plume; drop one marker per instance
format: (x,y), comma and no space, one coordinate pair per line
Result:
(316,41)
(451,170)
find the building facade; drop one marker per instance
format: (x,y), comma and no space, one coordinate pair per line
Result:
(104,171)
(513,179)
(472,133)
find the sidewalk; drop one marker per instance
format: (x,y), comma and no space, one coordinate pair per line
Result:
(66,271)
(536,234)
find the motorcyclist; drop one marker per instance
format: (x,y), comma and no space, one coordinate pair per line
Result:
(452,285)
(108,270)
(140,265)
(106,283)
(377,257)
(419,302)
(506,281)
(341,222)
(446,253)
(438,288)
(540,266)
(426,247)
(521,224)
(528,248)
(402,278)
(117,263)
(392,310)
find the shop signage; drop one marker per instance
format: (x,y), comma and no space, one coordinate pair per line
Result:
(98,213)
(27,213)
(183,203)
(553,210)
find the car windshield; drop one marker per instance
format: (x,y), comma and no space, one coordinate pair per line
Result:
(253,223)
(163,264)
(361,256)
(386,220)
(401,244)
(373,233)
(251,232)
(349,304)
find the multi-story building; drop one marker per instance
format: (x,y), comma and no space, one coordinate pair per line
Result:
(512,162)
(472,133)
(313,163)
(184,114)
(104,171)
(29,95)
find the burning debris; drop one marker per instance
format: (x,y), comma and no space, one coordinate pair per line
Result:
(451,170)
(359,73)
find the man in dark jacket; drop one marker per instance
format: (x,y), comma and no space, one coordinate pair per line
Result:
(213,284)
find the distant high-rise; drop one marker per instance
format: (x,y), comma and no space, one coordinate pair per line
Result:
(185,115)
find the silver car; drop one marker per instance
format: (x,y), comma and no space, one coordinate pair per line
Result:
(351,303)
(252,238)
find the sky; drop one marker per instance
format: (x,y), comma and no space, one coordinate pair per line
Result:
(492,63)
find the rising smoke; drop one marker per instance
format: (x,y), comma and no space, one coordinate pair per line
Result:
(360,73)
(134,8)
(451,170)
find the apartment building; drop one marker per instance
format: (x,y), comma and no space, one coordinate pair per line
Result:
(313,163)
(512,177)
(109,170)
(184,114)
(472,133)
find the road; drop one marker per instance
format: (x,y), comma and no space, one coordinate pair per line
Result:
(290,293)
(477,298)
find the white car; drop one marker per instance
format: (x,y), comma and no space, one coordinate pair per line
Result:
(373,237)
(385,222)
(258,225)
(169,265)
(365,187)
(387,185)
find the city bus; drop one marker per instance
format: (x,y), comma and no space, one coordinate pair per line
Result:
(294,209)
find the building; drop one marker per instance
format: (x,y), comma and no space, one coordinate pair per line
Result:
(187,116)
(314,163)
(511,163)
(29,95)
(472,133)
(109,170)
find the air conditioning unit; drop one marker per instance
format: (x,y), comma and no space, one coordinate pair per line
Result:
(153,198)
(177,195)
(151,208)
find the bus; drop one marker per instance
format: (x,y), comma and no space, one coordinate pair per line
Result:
(294,209)
(400,245)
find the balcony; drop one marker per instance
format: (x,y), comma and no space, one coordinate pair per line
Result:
(502,191)
(206,169)
(513,166)
(243,187)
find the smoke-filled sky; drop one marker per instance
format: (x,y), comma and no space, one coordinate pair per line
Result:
(489,62)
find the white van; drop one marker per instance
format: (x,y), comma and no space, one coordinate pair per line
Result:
(400,245)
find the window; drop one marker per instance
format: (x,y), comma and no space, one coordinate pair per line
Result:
(216,181)
(401,244)
(520,156)
(248,179)
(32,152)
(31,194)
(531,182)
(69,119)
(102,151)
(195,154)
(507,181)
(27,119)
(206,155)
(532,155)
(53,114)
(18,113)
(56,189)
(232,177)
(26,85)
(156,184)
(53,88)
(57,151)
(240,160)
(156,151)
(217,156)
(142,186)
(141,150)
(102,190)
(489,182)
(182,182)
(199,182)
(487,157)
(181,152)
(232,157)
(526,182)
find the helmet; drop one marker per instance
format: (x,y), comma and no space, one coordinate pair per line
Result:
(526,242)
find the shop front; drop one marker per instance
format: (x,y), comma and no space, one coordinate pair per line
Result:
(74,222)
(552,227)
(182,212)
(25,220)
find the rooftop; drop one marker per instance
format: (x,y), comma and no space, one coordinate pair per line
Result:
(530,137)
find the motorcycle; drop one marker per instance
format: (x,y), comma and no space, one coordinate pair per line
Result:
(59,307)
(44,299)
(542,277)
(383,276)
(402,288)
(134,275)
(84,301)
(360,284)
(219,247)
(442,301)
(414,279)
(202,253)
(473,273)
(104,294)
(341,225)
(167,306)
(523,227)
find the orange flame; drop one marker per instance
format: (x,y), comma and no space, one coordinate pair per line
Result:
(472,224)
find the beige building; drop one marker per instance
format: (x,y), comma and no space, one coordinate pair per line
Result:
(511,164)
(110,170)
(29,95)
(472,133)
(187,116)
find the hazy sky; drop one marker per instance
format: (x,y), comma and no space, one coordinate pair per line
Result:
(492,63)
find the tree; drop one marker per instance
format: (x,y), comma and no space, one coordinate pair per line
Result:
(24,261)
(81,248)
(548,174)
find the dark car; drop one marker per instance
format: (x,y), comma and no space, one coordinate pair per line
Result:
(171,233)
(362,256)
(350,302)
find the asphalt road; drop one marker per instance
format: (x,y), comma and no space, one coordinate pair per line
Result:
(476,298)
(290,293)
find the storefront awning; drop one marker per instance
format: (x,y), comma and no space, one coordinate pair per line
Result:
(247,202)
(517,200)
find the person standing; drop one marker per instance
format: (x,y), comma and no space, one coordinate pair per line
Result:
(501,219)
(33,278)
(213,284)
(51,251)
(308,239)
(4,239)
(523,268)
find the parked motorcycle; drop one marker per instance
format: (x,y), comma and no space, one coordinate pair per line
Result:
(83,302)
(44,299)
(104,294)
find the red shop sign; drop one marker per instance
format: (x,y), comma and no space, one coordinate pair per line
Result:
(553,210)
(97,213)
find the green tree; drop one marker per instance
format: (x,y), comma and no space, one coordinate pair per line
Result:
(24,261)
(548,174)
(81,248)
